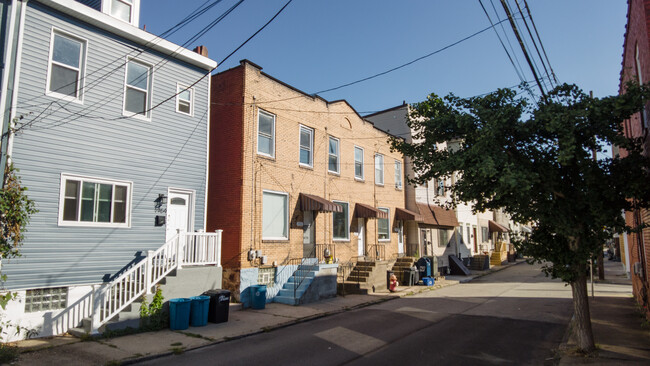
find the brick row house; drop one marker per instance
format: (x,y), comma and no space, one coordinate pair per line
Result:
(635,247)
(295,176)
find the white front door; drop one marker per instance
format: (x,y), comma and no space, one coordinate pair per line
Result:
(308,234)
(179,206)
(400,237)
(362,235)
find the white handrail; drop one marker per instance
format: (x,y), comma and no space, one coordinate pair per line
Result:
(183,248)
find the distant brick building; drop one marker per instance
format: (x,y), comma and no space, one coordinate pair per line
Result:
(636,66)
(291,175)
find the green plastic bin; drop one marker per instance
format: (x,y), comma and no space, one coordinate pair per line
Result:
(179,314)
(258,293)
(199,310)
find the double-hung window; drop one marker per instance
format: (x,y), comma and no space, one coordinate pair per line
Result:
(122,9)
(443,238)
(333,156)
(137,89)
(94,202)
(265,134)
(379,169)
(341,222)
(184,100)
(275,215)
(67,56)
(383,226)
(398,174)
(306,146)
(358,162)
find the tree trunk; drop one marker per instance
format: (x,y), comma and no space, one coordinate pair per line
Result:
(582,319)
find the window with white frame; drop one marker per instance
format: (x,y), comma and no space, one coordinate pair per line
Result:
(94,202)
(122,9)
(46,299)
(184,100)
(443,238)
(275,215)
(306,146)
(341,222)
(265,133)
(333,158)
(379,169)
(358,162)
(67,56)
(398,174)
(137,89)
(485,234)
(383,225)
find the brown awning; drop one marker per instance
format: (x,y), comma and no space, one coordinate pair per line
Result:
(309,202)
(406,215)
(436,215)
(497,228)
(361,210)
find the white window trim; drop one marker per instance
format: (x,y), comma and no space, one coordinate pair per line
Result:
(287,221)
(338,155)
(82,67)
(180,88)
(400,175)
(257,135)
(135,10)
(347,226)
(82,178)
(363,168)
(148,110)
(311,146)
(389,227)
(382,169)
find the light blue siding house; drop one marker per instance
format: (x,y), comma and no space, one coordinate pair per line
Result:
(108,126)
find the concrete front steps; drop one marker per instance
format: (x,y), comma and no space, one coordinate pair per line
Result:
(479,263)
(497,258)
(318,282)
(402,267)
(183,283)
(366,277)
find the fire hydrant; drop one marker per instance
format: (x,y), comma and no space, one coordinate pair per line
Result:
(393,283)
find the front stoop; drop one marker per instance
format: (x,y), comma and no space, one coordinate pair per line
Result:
(366,277)
(317,285)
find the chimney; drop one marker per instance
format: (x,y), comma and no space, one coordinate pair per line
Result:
(201,50)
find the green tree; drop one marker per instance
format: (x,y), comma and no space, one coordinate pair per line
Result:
(15,211)
(535,162)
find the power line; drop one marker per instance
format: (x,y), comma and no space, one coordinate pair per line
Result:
(530,34)
(530,16)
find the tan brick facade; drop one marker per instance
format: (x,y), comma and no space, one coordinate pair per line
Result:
(249,91)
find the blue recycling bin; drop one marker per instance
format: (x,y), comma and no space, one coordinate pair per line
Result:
(424,267)
(258,293)
(179,314)
(199,313)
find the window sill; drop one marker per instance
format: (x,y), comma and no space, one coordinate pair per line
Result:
(275,240)
(338,174)
(65,97)
(305,166)
(93,225)
(379,184)
(341,240)
(136,116)
(360,180)
(265,156)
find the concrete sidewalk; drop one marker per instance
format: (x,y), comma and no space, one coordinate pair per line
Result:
(241,323)
(620,332)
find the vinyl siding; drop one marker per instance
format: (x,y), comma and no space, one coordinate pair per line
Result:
(95,4)
(94,139)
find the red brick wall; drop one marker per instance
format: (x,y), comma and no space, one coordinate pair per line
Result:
(225,174)
(637,31)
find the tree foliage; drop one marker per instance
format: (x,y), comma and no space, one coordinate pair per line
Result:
(535,162)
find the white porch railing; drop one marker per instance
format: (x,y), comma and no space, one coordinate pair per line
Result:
(183,249)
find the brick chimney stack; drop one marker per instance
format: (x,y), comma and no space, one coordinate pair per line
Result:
(201,50)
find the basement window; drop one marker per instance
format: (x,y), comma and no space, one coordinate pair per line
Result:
(46,299)
(266,276)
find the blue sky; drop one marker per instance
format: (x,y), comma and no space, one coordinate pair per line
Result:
(315,45)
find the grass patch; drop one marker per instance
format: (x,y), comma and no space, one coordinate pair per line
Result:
(176,344)
(178,350)
(8,354)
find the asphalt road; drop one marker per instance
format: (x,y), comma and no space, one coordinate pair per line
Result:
(516,316)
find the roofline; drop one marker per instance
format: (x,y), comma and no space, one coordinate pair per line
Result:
(130,32)
(312,96)
(627,31)
(404,104)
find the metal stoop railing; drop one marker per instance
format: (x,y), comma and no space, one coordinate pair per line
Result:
(184,248)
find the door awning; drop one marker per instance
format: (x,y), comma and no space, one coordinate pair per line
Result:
(309,202)
(436,215)
(361,210)
(497,228)
(406,215)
